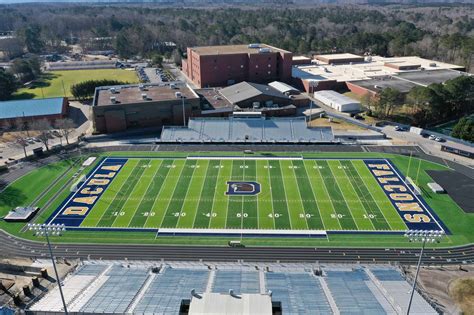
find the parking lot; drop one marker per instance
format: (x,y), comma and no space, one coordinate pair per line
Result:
(154,75)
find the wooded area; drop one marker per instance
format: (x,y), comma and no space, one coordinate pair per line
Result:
(442,33)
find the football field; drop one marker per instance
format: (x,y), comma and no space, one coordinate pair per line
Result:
(274,193)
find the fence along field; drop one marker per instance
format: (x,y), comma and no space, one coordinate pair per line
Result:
(245,193)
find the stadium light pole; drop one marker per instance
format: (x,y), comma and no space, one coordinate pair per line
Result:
(55,230)
(423,237)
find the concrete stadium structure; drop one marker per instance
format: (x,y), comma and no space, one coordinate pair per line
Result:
(173,287)
(256,129)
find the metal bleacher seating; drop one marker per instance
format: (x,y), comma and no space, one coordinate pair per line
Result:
(351,293)
(118,291)
(299,293)
(168,289)
(237,280)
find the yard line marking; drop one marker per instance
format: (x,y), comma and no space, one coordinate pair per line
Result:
(200,194)
(161,188)
(327,194)
(146,190)
(169,201)
(374,199)
(343,199)
(118,190)
(314,197)
(352,188)
(214,197)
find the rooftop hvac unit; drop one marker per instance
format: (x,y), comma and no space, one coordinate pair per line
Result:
(141,87)
(113,90)
(368,59)
(264,50)
(113,100)
(178,94)
(144,96)
(173,86)
(254,46)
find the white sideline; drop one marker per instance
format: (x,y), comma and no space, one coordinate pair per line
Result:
(267,158)
(242,231)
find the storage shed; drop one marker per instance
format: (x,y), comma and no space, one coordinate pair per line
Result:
(337,101)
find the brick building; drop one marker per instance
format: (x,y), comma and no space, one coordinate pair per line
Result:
(13,113)
(213,66)
(119,108)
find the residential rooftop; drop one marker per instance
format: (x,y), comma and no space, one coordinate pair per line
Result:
(235,49)
(133,93)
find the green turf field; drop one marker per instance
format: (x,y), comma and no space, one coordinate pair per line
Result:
(295,195)
(323,191)
(51,83)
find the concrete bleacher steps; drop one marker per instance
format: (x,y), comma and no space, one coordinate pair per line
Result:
(135,289)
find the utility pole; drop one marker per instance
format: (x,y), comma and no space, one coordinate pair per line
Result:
(55,229)
(423,236)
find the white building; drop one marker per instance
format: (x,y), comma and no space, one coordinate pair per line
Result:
(337,101)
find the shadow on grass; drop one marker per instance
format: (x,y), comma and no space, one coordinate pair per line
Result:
(23,96)
(12,197)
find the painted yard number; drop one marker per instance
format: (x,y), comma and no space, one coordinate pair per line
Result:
(219,166)
(148,214)
(240,215)
(267,166)
(179,214)
(210,215)
(337,216)
(292,166)
(369,216)
(342,167)
(274,215)
(194,166)
(305,215)
(116,213)
(244,166)
(171,166)
(318,166)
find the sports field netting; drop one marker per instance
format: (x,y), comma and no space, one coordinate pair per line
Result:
(245,193)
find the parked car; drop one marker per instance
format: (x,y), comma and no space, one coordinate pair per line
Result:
(399,128)
(432,137)
(439,139)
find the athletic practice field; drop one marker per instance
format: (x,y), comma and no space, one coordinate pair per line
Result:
(245,193)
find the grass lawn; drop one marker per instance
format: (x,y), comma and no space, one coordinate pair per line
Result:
(51,83)
(156,190)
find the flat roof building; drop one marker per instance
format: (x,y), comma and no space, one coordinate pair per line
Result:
(118,108)
(213,66)
(50,109)
(337,101)
(334,71)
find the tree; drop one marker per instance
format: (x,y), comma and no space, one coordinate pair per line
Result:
(85,90)
(157,60)
(8,84)
(65,126)
(44,127)
(388,100)
(464,129)
(31,37)
(27,69)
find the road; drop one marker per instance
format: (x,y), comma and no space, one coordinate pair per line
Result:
(15,247)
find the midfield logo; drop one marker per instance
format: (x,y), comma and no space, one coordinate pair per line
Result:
(242,188)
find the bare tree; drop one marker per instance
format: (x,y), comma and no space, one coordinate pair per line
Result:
(65,126)
(19,137)
(44,128)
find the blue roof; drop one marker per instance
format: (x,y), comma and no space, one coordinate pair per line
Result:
(30,108)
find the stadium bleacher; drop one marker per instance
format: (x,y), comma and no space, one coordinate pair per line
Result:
(117,288)
(237,280)
(299,293)
(248,129)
